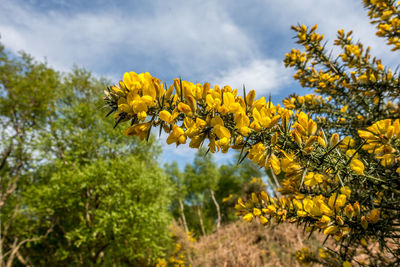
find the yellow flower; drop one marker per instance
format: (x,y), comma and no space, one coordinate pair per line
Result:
(140,130)
(257,154)
(346,191)
(131,80)
(357,208)
(263,220)
(120,90)
(387,159)
(248,217)
(325,209)
(297,137)
(226,199)
(177,136)
(167,117)
(304,125)
(325,219)
(349,211)
(182,107)
(357,166)
(289,165)
(197,141)
(297,204)
(269,210)
(373,216)
(321,141)
(301,213)
(254,198)
(312,179)
(337,201)
(221,132)
(264,196)
(256,212)
(213,101)
(191,127)
(364,222)
(242,123)
(250,98)
(229,104)
(330,230)
(364,242)
(275,164)
(263,119)
(339,220)
(334,140)
(324,254)
(346,143)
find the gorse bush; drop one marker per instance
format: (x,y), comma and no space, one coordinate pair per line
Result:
(336,152)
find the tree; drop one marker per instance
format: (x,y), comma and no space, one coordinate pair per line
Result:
(338,149)
(202,204)
(236,180)
(74,190)
(109,212)
(27,95)
(101,217)
(201,178)
(177,177)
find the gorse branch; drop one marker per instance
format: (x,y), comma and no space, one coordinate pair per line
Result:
(337,151)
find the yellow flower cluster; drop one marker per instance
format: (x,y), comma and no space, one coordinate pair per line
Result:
(177,259)
(271,135)
(345,187)
(381,139)
(334,215)
(218,115)
(386,15)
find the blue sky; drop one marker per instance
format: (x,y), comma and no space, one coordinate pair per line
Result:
(222,42)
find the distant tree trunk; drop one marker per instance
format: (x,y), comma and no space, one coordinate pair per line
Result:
(183,216)
(189,256)
(201,220)
(277,184)
(217,207)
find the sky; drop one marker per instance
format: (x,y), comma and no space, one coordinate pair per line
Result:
(226,42)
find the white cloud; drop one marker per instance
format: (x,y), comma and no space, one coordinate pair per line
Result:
(330,17)
(264,76)
(193,38)
(199,40)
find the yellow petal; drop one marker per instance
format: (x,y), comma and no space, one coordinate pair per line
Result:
(165,115)
(248,217)
(330,230)
(357,166)
(256,212)
(263,220)
(221,132)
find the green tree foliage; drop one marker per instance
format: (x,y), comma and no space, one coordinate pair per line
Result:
(193,203)
(202,180)
(235,180)
(73,190)
(27,97)
(109,211)
(180,193)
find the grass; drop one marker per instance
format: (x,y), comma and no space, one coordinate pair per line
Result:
(251,244)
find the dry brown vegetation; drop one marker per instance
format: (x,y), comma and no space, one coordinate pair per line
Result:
(251,244)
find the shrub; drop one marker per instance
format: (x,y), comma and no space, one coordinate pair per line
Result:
(337,151)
